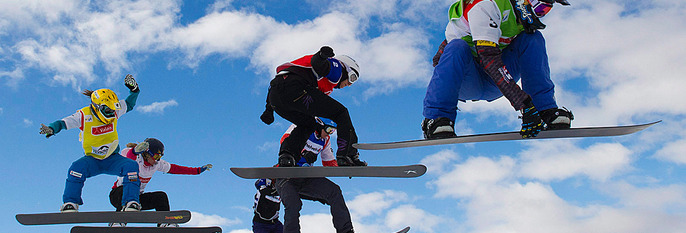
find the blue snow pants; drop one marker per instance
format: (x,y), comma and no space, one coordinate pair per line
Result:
(458,76)
(115,164)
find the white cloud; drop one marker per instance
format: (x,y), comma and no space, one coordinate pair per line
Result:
(561,159)
(241,231)
(673,151)
(438,163)
(109,33)
(26,121)
(374,203)
(200,219)
(494,201)
(409,215)
(157,107)
(627,56)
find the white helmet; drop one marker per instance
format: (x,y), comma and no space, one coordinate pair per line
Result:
(350,66)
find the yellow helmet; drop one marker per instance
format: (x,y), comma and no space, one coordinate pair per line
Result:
(105,104)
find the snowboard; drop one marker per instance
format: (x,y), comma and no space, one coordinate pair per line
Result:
(509,136)
(407,171)
(404,230)
(83,229)
(177,216)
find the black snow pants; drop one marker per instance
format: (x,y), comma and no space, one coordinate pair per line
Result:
(299,103)
(153,200)
(319,189)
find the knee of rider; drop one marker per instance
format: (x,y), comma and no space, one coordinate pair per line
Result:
(77,171)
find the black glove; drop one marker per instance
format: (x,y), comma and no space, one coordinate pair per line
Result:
(47,130)
(268,115)
(309,156)
(320,62)
(531,121)
(131,83)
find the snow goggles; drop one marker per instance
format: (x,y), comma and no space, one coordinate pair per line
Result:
(155,156)
(540,8)
(329,129)
(106,111)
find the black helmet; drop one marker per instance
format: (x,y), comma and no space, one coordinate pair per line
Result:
(155,148)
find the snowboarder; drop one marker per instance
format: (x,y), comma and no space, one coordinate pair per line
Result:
(266,208)
(489,46)
(98,125)
(316,189)
(300,91)
(148,155)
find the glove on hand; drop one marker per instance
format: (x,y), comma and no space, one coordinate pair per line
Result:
(131,83)
(267,116)
(531,121)
(141,147)
(326,52)
(310,157)
(205,168)
(44,129)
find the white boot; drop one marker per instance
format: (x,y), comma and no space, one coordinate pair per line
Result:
(132,206)
(69,207)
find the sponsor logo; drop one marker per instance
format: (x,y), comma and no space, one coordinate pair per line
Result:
(88,118)
(103,129)
(174,217)
(506,15)
(486,43)
(506,74)
(75,174)
(133,176)
(525,14)
(407,172)
(493,24)
(102,150)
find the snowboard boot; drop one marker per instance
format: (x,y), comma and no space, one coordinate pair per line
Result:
(286,159)
(69,207)
(350,161)
(556,118)
(438,128)
(132,206)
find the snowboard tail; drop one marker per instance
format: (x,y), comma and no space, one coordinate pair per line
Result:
(510,136)
(84,229)
(404,230)
(408,171)
(177,216)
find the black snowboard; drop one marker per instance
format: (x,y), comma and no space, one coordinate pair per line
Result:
(177,216)
(82,229)
(509,136)
(408,171)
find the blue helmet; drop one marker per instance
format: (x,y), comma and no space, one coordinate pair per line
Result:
(329,125)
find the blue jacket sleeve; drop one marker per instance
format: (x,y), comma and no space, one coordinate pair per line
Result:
(57,126)
(131,100)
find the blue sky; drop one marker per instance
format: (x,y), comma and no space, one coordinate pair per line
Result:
(203,68)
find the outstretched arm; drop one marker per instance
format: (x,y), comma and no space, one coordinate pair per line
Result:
(131,83)
(176,169)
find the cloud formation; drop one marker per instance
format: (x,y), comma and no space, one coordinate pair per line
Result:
(157,107)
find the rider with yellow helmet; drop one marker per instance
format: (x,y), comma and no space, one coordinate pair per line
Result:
(98,125)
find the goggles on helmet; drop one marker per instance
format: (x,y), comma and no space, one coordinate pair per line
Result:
(105,110)
(352,75)
(329,125)
(540,8)
(155,156)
